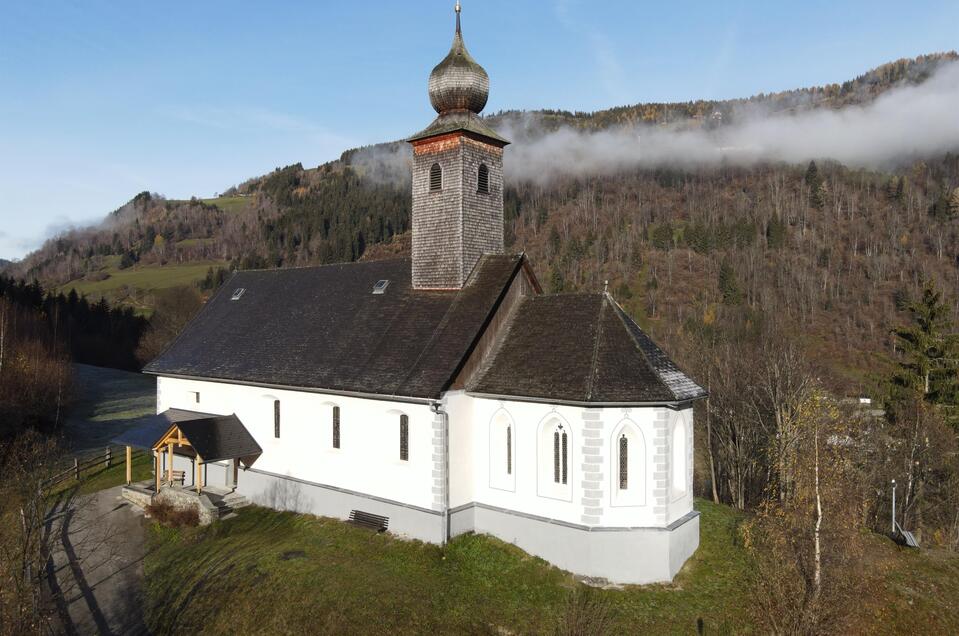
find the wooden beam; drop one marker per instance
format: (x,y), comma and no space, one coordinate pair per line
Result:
(129,466)
(169,462)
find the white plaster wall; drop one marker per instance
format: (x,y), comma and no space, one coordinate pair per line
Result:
(368,458)
(680,502)
(470,419)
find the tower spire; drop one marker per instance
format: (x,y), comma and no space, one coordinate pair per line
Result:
(458,10)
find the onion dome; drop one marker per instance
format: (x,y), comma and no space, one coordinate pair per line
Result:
(458,83)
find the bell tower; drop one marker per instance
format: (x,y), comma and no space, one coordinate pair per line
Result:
(457,175)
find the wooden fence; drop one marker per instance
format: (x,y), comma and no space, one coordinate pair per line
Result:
(85,463)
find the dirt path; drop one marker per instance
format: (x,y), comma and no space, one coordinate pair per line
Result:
(98,567)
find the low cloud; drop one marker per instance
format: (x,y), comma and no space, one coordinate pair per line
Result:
(904,123)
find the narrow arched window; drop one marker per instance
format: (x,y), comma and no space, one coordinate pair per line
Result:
(276,419)
(565,458)
(336,427)
(436,178)
(556,456)
(482,181)
(623,462)
(509,450)
(404,438)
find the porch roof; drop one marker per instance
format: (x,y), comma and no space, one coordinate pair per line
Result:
(213,437)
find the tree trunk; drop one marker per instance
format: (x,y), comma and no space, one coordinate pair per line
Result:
(709,449)
(817,575)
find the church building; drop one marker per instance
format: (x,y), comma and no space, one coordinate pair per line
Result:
(439,394)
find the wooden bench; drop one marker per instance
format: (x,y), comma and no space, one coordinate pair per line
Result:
(369,520)
(179,476)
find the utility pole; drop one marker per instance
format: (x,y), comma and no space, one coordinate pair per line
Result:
(893,507)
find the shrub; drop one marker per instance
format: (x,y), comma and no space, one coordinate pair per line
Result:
(171,516)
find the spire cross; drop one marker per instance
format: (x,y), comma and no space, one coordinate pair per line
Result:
(458,9)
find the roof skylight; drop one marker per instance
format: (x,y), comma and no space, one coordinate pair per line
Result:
(380,286)
(237,293)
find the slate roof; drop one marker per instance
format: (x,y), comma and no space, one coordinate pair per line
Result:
(323,328)
(580,348)
(456,121)
(216,437)
(213,437)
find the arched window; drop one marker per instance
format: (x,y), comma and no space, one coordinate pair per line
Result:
(336,427)
(501,439)
(276,419)
(554,442)
(436,178)
(404,438)
(628,478)
(623,462)
(560,456)
(482,181)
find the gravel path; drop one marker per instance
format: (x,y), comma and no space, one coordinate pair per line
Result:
(98,567)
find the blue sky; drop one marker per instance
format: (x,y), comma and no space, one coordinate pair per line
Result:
(100,100)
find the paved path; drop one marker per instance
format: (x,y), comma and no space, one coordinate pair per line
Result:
(98,567)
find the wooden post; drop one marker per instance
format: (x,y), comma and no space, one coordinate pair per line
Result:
(169,462)
(109,454)
(76,468)
(129,465)
(156,469)
(199,474)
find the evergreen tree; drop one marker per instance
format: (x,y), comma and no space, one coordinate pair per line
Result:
(954,204)
(776,233)
(812,176)
(931,350)
(729,284)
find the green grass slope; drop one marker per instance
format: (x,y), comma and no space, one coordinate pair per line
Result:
(271,572)
(131,286)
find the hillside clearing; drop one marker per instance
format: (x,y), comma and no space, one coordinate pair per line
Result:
(130,286)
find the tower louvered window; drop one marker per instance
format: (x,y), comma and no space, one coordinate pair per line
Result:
(623,462)
(436,178)
(509,450)
(336,427)
(565,458)
(482,184)
(276,419)
(404,438)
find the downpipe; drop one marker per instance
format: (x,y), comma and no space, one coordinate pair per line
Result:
(437,409)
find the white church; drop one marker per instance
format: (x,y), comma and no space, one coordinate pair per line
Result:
(438,394)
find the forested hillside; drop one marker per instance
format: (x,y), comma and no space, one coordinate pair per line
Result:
(828,247)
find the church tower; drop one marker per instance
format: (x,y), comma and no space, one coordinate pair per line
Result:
(457,175)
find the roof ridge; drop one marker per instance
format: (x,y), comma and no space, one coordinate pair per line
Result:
(621,314)
(593,371)
(441,326)
(321,265)
(209,302)
(501,340)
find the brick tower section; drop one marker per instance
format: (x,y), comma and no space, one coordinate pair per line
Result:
(456,224)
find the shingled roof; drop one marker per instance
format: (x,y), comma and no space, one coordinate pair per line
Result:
(324,328)
(580,348)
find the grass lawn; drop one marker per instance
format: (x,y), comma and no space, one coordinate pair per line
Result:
(274,572)
(145,278)
(128,286)
(231,204)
